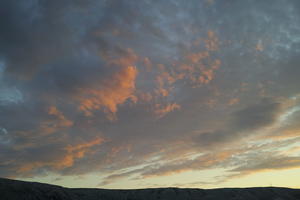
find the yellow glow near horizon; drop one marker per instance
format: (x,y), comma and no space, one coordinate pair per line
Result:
(276,178)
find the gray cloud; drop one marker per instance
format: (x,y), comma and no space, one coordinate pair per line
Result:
(242,124)
(269,163)
(60,54)
(256,116)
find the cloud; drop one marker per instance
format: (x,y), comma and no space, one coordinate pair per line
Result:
(118,88)
(233,101)
(237,162)
(163,87)
(242,124)
(288,73)
(62,119)
(24,30)
(114,177)
(205,161)
(3,131)
(4,138)
(10,96)
(179,165)
(38,158)
(256,116)
(161,110)
(264,161)
(214,138)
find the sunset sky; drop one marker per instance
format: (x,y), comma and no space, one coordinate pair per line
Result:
(150,93)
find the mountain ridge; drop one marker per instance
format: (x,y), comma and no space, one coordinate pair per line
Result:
(22,190)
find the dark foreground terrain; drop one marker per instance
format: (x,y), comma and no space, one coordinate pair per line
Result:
(19,190)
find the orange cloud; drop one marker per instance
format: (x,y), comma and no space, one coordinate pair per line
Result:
(67,159)
(145,96)
(207,74)
(114,91)
(164,77)
(50,126)
(161,110)
(212,42)
(197,57)
(64,122)
(164,81)
(78,151)
(233,101)
(194,67)
(162,92)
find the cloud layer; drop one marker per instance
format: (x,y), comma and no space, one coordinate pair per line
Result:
(131,90)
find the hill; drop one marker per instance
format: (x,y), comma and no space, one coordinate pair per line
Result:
(20,190)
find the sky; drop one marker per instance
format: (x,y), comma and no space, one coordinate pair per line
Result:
(148,93)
